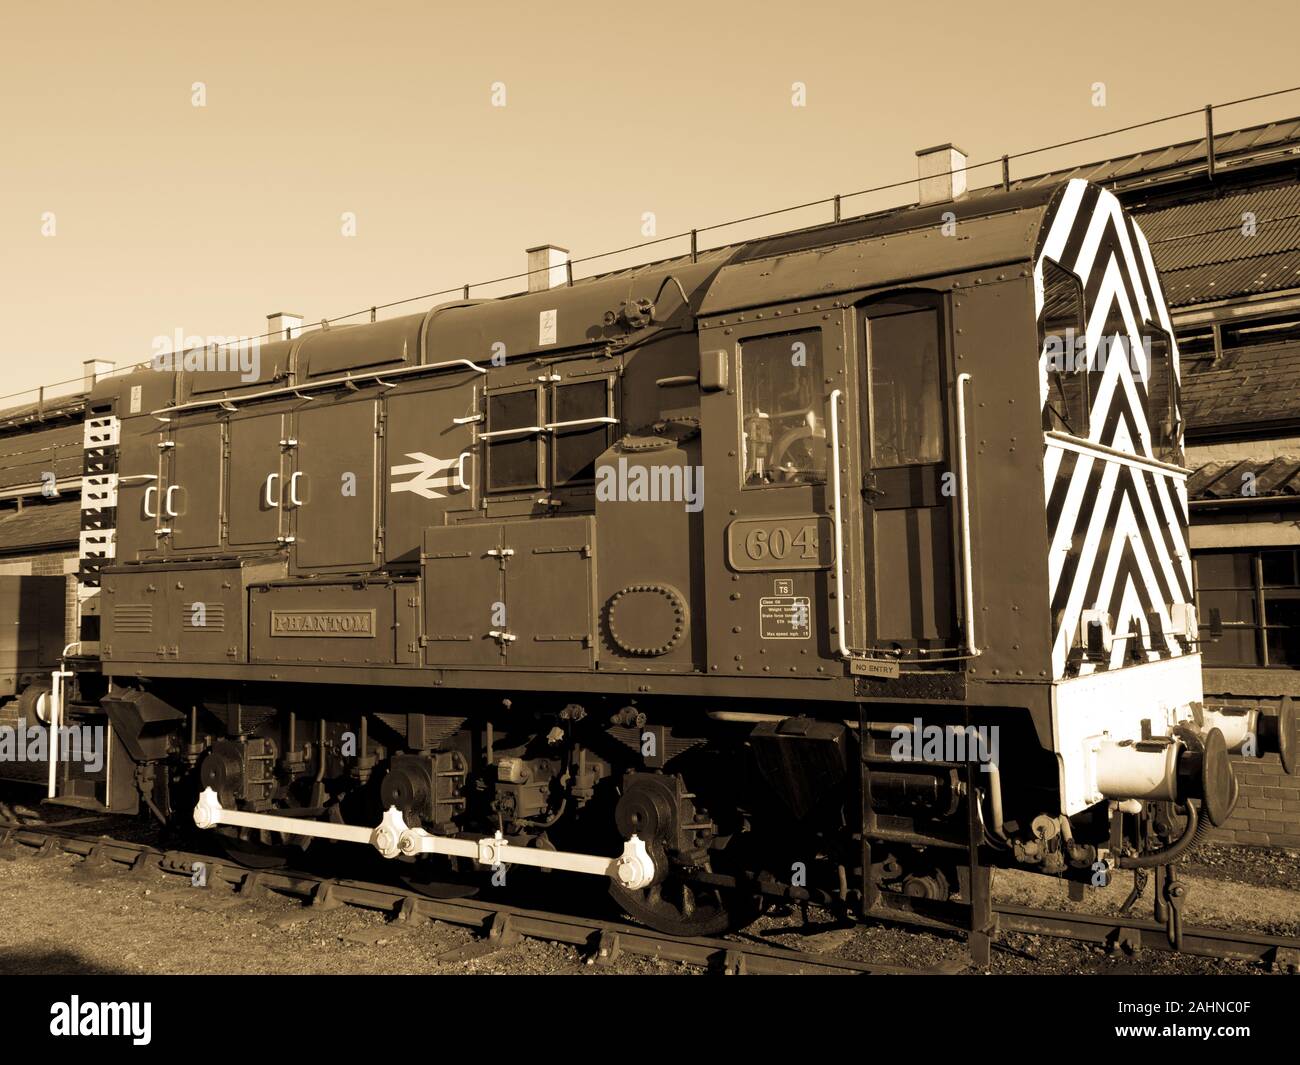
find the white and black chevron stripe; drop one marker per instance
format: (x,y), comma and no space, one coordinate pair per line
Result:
(100,440)
(1117,527)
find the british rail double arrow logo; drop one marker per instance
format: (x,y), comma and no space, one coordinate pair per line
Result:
(431,473)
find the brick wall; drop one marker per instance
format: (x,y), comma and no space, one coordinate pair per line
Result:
(1268,811)
(51,564)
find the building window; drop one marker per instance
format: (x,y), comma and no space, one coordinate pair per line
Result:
(1257,594)
(1061,343)
(1201,346)
(783,415)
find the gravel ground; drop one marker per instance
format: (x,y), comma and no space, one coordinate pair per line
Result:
(61,918)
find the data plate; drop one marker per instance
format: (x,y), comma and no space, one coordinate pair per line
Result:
(785,617)
(874,667)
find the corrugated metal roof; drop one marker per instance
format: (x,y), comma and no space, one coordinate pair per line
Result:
(1241,244)
(26,458)
(1252,223)
(1215,281)
(1249,477)
(55,406)
(1233,149)
(40,526)
(1248,385)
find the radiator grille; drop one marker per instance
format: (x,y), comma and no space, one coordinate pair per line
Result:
(133,617)
(211,618)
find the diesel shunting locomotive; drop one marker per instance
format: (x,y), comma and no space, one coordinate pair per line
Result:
(836,566)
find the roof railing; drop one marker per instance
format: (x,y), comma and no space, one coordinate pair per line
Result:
(835,202)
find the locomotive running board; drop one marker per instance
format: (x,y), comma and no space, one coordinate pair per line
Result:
(633,869)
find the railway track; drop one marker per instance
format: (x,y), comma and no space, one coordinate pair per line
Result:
(500,926)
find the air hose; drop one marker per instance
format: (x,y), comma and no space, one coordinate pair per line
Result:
(1193,835)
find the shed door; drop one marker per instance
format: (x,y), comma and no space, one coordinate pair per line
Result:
(908,485)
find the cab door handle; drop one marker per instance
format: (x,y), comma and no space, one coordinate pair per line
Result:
(293,489)
(167,501)
(147,512)
(271,478)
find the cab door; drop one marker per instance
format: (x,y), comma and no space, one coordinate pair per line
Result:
(909,488)
(767,479)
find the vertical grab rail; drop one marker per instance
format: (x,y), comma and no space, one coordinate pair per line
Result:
(963,480)
(57,679)
(839,525)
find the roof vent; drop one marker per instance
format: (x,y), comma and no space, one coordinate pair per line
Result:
(547,267)
(941,174)
(283,325)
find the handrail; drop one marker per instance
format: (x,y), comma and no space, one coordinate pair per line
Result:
(327,382)
(1078,443)
(520,430)
(963,478)
(602,420)
(839,525)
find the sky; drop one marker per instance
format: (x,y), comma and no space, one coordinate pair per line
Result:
(186,169)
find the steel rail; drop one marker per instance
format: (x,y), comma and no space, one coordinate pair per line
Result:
(606,940)
(498,922)
(1130,934)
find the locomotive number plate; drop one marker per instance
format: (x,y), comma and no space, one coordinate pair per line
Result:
(328,623)
(800,543)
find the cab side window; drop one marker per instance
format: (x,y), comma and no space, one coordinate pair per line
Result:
(1162,408)
(783,420)
(1062,344)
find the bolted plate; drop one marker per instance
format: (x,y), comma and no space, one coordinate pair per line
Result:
(647,619)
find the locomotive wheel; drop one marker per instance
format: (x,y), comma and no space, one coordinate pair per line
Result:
(677,907)
(434,880)
(252,849)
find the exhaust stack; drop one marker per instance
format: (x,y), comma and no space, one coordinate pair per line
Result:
(941,174)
